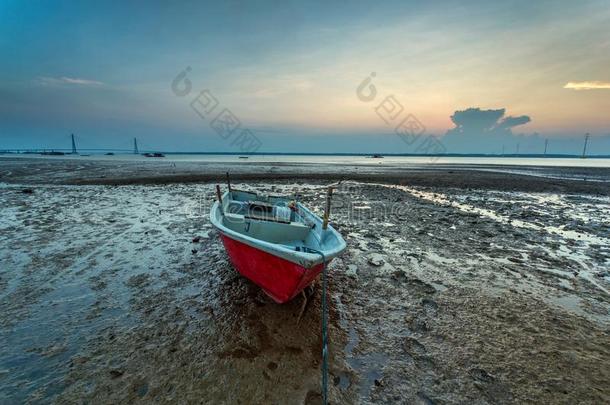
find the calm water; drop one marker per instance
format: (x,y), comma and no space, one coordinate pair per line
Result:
(359,160)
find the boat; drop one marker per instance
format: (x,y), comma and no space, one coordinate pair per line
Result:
(275,242)
(156,155)
(377,156)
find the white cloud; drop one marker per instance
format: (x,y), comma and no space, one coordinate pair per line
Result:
(594,85)
(67,81)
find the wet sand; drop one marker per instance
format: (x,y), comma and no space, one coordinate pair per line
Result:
(474,290)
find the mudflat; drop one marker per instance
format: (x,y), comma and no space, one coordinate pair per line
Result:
(459,285)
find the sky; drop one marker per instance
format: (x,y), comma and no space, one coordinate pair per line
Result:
(471,76)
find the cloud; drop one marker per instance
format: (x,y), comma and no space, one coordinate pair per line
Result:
(510,122)
(594,85)
(477,120)
(483,131)
(67,81)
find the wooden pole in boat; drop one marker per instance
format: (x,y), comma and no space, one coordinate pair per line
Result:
(329,196)
(229,182)
(219,199)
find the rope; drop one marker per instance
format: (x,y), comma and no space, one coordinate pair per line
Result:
(324,325)
(324,334)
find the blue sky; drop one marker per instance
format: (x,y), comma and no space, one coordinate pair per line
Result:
(289,72)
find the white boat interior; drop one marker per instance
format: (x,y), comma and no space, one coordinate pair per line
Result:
(277,225)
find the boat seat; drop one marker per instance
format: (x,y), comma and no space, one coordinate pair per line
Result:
(263,211)
(269,218)
(259,206)
(265,229)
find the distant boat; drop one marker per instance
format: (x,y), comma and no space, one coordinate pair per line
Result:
(52,153)
(377,156)
(243,157)
(109,154)
(278,244)
(156,154)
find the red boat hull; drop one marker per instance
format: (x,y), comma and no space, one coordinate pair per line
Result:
(281,279)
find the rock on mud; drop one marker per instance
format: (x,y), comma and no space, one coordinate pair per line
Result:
(352,270)
(376,260)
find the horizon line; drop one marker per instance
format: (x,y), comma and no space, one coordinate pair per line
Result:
(376,154)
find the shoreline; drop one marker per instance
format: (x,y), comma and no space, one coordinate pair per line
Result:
(487,177)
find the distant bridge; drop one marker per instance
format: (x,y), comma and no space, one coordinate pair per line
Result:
(68,151)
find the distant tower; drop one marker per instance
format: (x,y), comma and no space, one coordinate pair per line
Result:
(135,146)
(517,149)
(73,145)
(584,149)
(546,144)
